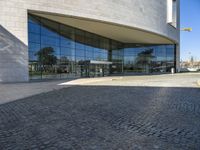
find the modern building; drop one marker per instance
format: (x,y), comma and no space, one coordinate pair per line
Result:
(48,39)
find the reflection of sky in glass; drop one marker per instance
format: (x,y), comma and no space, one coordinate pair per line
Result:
(73,45)
(160,53)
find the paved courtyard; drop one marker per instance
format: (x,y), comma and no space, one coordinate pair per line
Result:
(101,115)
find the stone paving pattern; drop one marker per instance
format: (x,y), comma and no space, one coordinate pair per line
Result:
(13,91)
(103,118)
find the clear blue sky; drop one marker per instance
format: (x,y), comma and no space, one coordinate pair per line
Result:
(190,17)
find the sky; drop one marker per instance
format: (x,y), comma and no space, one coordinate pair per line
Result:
(190,41)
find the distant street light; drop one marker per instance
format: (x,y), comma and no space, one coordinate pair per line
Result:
(187,29)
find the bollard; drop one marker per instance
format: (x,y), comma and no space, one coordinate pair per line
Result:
(172,70)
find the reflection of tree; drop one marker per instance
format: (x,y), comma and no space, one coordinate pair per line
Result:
(64,60)
(46,57)
(144,59)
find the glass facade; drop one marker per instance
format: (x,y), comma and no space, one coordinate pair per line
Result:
(60,51)
(149,58)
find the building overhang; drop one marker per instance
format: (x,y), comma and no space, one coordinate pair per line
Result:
(125,34)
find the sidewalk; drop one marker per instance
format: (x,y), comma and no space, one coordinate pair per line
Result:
(13,91)
(165,80)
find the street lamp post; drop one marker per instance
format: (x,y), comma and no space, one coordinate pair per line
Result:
(188,29)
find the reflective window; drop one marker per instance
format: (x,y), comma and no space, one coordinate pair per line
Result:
(149,59)
(61,51)
(34,28)
(34,38)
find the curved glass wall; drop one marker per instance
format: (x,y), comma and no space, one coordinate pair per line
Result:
(149,58)
(60,51)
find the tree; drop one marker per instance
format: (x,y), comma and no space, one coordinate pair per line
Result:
(145,58)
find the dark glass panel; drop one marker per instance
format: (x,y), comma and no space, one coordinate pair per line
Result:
(69,59)
(49,28)
(80,40)
(34,28)
(32,56)
(89,48)
(88,35)
(65,51)
(95,43)
(51,41)
(89,55)
(34,47)
(33,19)
(80,53)
(53,49)
(80,46)
(35,38)
(97,56)
(66,31)
(97,50)
(66,42)
(170,52)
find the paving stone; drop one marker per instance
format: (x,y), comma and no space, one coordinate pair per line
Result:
(103,117)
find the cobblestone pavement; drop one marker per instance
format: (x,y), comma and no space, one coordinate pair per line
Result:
(103,118)
(13,91)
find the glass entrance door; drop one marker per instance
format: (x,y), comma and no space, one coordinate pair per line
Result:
(98,70)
